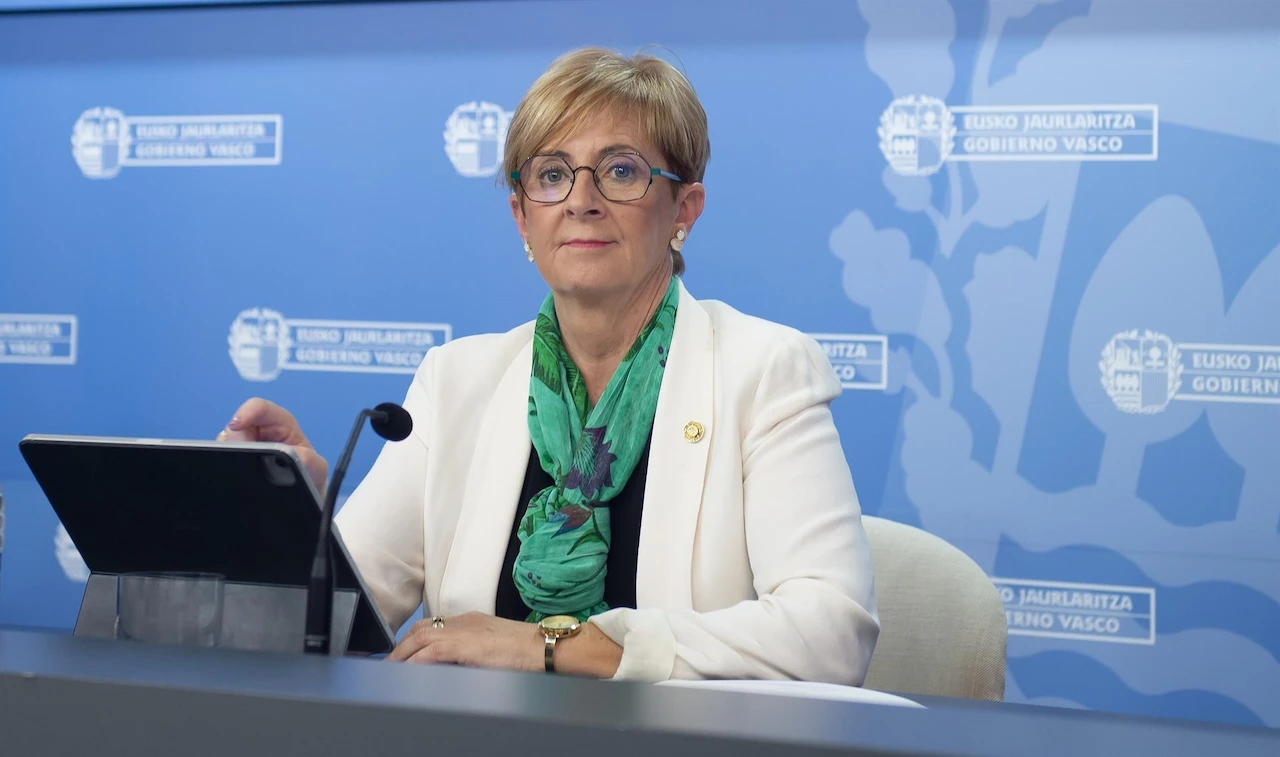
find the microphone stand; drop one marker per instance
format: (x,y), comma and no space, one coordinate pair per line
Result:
(320,585)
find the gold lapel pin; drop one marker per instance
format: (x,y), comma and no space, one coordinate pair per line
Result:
(693,431)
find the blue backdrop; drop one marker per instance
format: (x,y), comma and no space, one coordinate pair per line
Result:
(1038,238)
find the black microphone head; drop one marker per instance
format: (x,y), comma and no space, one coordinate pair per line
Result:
(391,422)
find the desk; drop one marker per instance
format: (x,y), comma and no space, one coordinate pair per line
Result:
(65,695)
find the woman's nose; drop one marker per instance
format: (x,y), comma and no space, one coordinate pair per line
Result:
(584,196)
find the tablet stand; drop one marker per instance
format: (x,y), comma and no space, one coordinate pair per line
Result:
(260,617)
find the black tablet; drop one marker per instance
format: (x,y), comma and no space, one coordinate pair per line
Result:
(246,510)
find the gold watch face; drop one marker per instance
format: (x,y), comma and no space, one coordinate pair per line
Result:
(559,625)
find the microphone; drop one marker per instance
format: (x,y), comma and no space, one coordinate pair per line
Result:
(393,423)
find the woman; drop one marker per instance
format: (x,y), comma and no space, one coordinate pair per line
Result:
(631,447)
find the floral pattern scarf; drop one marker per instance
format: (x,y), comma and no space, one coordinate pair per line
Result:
(589,452)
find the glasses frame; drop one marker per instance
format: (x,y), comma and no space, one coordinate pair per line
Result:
(573,176)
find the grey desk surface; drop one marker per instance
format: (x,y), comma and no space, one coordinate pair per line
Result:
(65,695)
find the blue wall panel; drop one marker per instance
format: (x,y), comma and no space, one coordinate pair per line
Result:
(1038,239)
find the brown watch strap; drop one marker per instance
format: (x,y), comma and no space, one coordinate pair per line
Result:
(548,654)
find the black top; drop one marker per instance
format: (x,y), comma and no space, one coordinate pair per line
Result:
(620,575)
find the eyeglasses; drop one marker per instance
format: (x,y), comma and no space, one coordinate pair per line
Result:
(620,177)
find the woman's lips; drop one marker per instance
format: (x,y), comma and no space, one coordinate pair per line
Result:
(586,244)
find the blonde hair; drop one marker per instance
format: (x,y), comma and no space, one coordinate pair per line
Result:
(584,84)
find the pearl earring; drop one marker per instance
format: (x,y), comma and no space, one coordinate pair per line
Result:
(677,244)
(528,251)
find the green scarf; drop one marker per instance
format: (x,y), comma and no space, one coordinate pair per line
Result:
(589,453)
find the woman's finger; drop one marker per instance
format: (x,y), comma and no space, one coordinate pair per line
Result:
(264,421)
(227,435)
(405,649)
(437,652)
(422,655)
(418,637)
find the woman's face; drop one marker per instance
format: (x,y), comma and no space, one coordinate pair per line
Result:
(590,247)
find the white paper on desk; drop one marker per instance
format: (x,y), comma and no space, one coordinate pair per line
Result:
(799,689)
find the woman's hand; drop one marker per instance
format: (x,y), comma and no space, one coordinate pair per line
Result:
(484,641)
(258,420)
(476,640)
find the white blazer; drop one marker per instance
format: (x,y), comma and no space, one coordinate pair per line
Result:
(752,561)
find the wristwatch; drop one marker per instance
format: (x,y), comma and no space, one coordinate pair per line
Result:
(554,628)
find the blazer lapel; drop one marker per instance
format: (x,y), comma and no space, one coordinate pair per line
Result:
(677,465)
(470,579)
